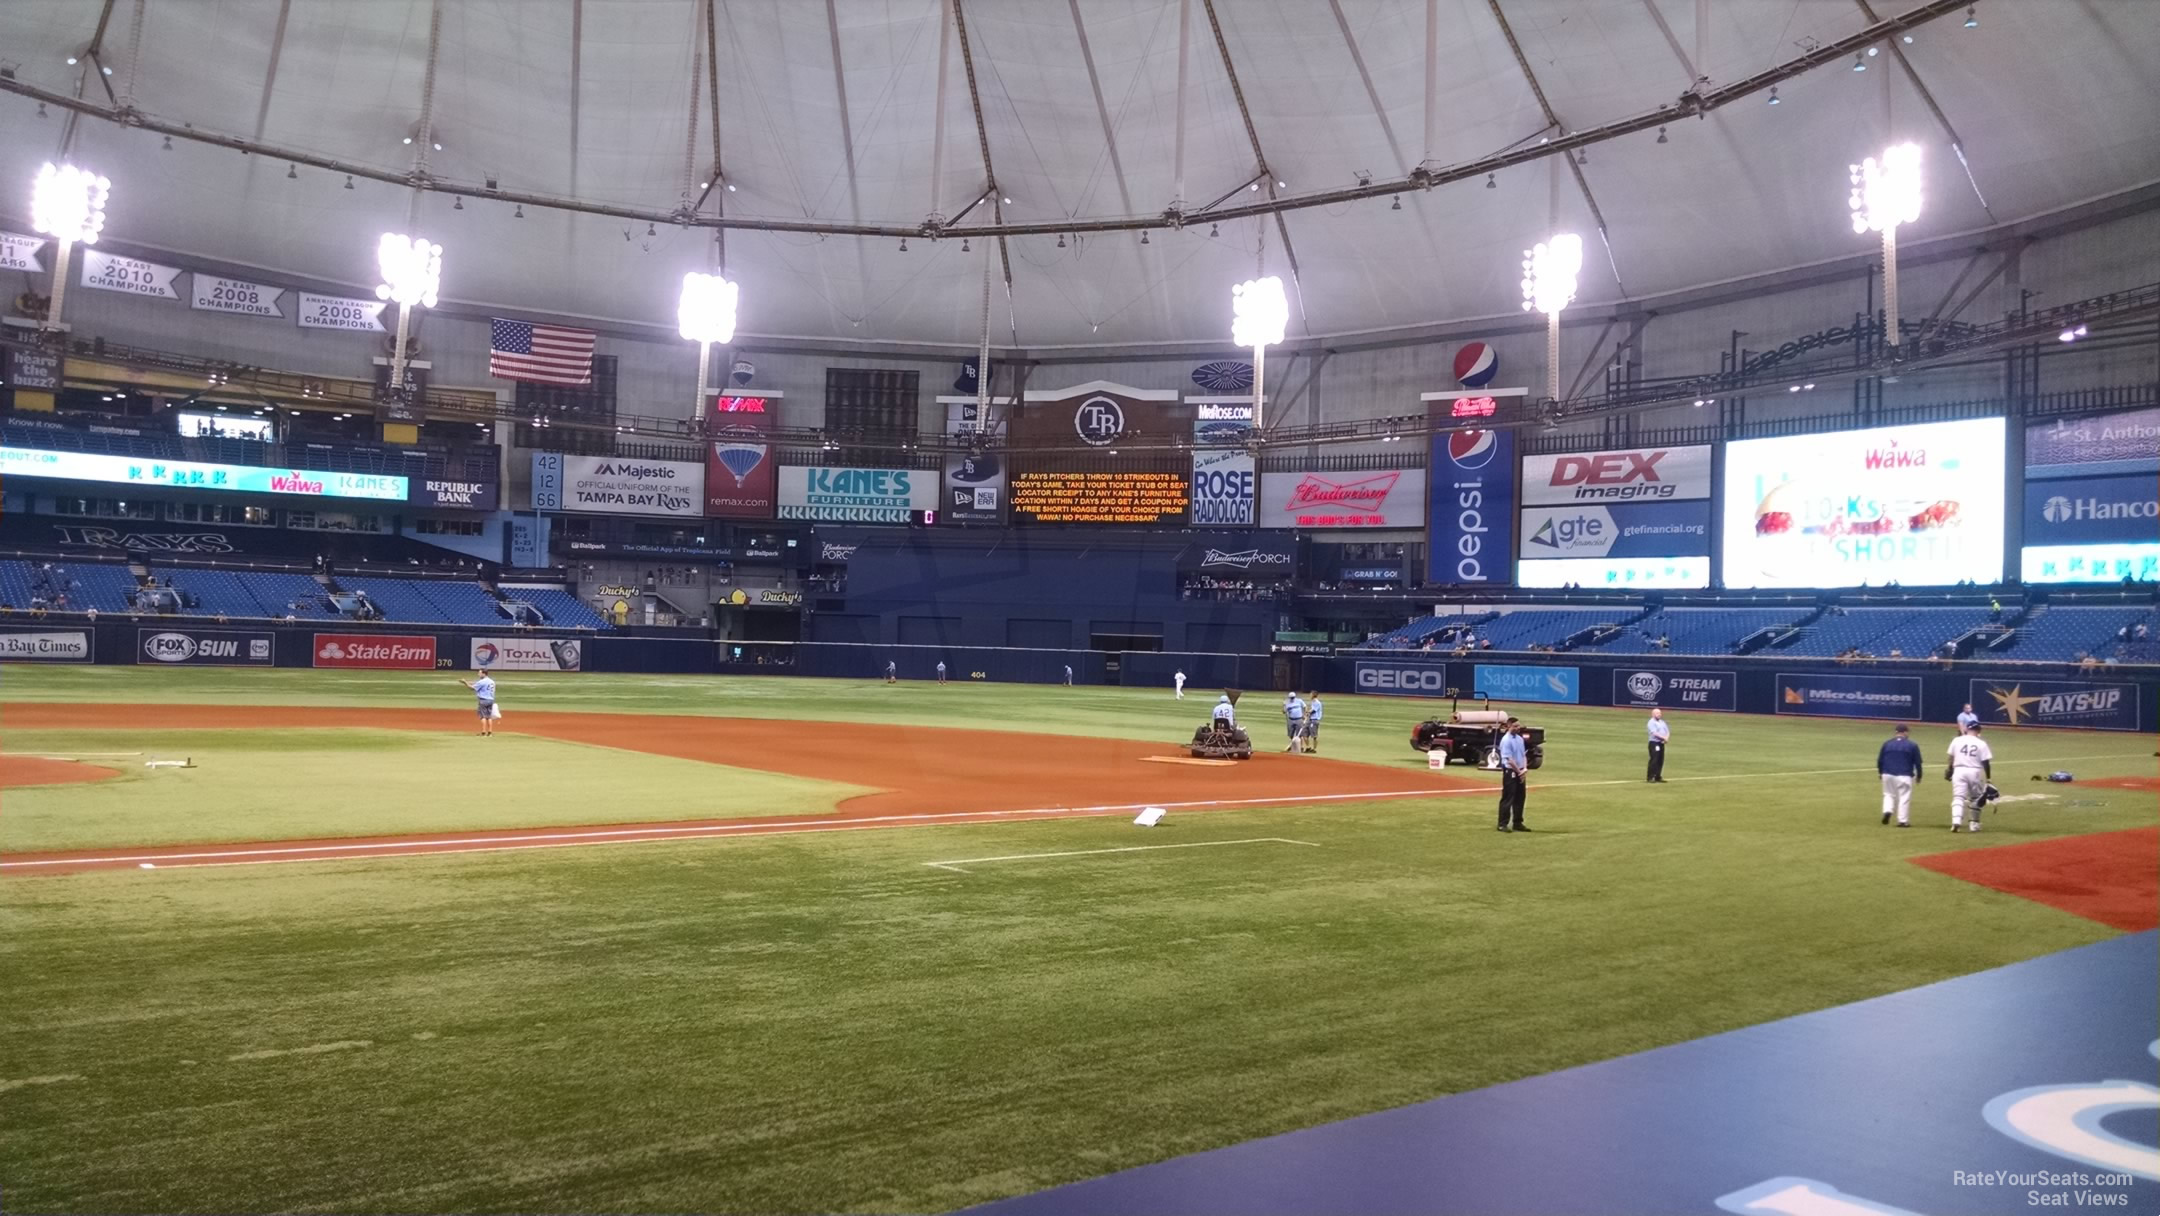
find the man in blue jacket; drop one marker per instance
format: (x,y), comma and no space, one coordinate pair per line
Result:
(1899,765)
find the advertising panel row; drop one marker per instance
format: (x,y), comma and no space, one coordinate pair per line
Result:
(1845,696)
(2091,511)
(206,647)
(1621,476)
(1224,482)
(616,485)
(1506,682)
(45,646)
(393,652)
(199,475)
(856,496)
(1627,517)
(1919,504)
(1658,688)
(2023,702)
(527,654)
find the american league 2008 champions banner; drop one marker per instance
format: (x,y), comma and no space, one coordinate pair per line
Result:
(1224,481)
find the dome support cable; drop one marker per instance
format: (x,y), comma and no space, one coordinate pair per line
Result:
(995,195)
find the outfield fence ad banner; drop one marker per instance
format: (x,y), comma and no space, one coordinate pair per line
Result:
(395,651)
(45,646)
(1660,688)
(206,647)
(1837,695)
(1403,679)
(528,654)
(2023,702)
(1553,685)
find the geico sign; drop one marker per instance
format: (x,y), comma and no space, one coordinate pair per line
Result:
(1402,679)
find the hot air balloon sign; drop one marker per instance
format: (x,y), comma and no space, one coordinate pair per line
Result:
(739,474)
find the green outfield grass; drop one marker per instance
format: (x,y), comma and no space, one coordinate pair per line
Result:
(823,1022)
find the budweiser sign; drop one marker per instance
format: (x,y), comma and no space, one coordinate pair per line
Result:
(1393,498)
(375,650)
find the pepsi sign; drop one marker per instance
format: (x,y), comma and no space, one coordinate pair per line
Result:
(1475,365)
(1471,524)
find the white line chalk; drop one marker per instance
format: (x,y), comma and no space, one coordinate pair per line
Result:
(955,865)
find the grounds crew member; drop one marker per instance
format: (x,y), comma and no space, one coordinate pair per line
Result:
(1514,777)
(484,692)
(1293,711)
(1659,733)
(1312,724)
(1225,712)
(1972,765)
(1899,765)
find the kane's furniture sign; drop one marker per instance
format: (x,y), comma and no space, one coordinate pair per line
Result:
(1647,688)
(1843,696)
(1382,498)
(340,312)
(613,485)
(214,294)
(111,272)
(1553,685)
(1921,505)
(382,650)
(2022,702)
(1045,497)
(527,654)
(1636,475)
(859,496)
(45,646)
(204,647)
(193,475)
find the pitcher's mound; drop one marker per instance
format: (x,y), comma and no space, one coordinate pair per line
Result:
(18,771)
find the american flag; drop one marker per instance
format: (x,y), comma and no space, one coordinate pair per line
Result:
(551,354)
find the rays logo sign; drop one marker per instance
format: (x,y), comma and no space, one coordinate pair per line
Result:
(2056,703)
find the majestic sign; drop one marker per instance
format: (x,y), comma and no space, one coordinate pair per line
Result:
(1637,475)
(111,272)
(205,647)
(614,485)
(1049,497)
(187,474)
(527,654)
(383,650)
(464,495)
(1645,688)
(2094,447)
(340,312)
(1224,481)
(1382,498)
(44,646)
(1921,505)
(1651,529)
(872,496)
(1472,507)
(2022,702)
(214,294)
(1848,696)
(1553,685)
(741,467)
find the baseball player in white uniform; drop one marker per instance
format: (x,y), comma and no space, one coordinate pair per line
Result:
(1179,680)
(1971,766)
(1225,712)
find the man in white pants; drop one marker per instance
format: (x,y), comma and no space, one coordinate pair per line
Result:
(1971,766)
(1179,679)
(1899,765)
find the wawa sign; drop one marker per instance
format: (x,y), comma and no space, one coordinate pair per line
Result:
(392,651)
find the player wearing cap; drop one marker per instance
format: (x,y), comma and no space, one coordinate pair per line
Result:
(1294,720)
(1967,719)
(1971,766)
(1899,765)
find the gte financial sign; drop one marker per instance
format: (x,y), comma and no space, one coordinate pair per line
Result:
(1632,475)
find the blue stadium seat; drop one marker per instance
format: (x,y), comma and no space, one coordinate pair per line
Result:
(2065,634)
(558,607)
(1913,632)
(104,586)
(398,599)
(1694,630)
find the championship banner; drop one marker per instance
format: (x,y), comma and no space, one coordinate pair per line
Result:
(1623,476)
(341,312)
(1470,532)
(377,650)
(527,654)
(1658,688)
(111,272)
(205,647)
(2090,447)
(1379,498)
(1224,481)
(45,646)
(19,252)
(740,466)
(611,485)
(1551,685)
(1844,696)
(2022,702)
(976,487)
(214,294)
(856,496)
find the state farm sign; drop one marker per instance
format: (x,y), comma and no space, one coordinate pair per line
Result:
(1644,474)
(375,650)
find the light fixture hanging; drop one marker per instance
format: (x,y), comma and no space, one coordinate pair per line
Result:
(292,173)
(519,213)
(963,244)
(649,230)
(348,181)
(1661,136)
(1061,240)
(458,205)
(1773,95)
(168,143)
(1972,19)
(1490,184)
(1143,236)
(1214,230)
(903,244)
(1859,63)
(1397,204)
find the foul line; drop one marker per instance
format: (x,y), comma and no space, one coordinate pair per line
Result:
(955,865)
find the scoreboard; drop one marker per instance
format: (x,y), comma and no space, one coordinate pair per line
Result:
(1048,497)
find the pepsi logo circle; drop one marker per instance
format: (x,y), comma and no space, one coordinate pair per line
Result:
(1472,449)
(1476,364)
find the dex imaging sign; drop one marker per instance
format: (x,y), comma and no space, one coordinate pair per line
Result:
(1635,475)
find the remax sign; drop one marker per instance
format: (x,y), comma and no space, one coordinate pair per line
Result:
(1402,679)
(1628,475)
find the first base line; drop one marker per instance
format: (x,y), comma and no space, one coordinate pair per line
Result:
(955,864)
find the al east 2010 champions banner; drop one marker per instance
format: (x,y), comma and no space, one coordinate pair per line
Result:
(741,468)
(1224,482)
